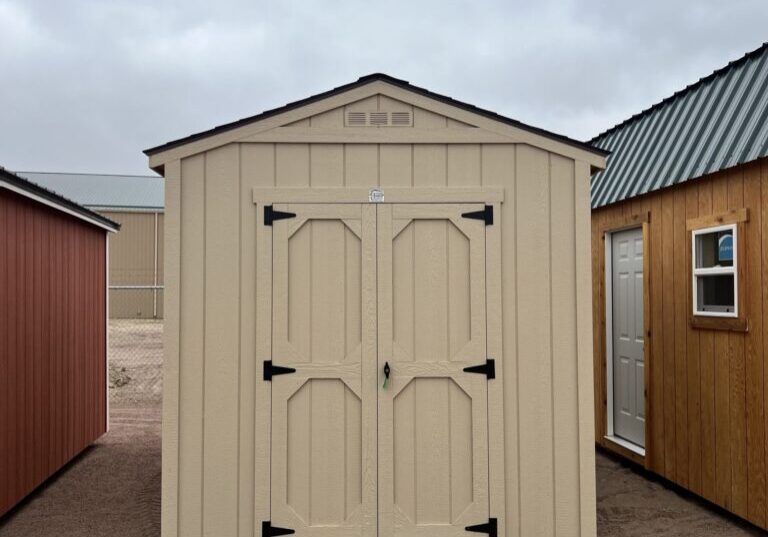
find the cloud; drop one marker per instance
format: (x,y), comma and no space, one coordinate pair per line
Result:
(92,83)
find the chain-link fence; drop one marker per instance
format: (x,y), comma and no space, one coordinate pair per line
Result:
(135,362)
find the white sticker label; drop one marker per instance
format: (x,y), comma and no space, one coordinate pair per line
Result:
(375,196)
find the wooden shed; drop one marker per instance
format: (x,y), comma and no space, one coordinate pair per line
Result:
(680,259)
(53,335)
(377,322)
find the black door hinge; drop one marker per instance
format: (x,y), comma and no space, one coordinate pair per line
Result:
(491,528)
(486,215)
(270,215)
(271,370)
(488,368)
(267,530)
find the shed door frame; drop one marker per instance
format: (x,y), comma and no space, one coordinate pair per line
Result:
(263,393)
(633,222)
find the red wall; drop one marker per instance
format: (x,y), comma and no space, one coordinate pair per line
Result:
(52,342)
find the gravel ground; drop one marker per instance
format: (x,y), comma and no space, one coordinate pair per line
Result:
(631,503)
(113,488)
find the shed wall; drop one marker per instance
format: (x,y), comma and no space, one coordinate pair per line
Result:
(208,441)
(706,421)
(52,342)
(136,259)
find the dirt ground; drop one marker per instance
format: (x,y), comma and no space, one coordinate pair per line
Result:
(113,488)
(630,503)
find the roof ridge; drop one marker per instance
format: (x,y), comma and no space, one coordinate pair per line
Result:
(690,87)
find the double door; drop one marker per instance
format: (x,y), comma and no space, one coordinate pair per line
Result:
(379,371)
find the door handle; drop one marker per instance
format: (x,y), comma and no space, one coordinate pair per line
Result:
(386,375)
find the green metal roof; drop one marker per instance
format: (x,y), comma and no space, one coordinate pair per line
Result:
(719,122)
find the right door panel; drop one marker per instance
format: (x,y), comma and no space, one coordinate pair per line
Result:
(433,421)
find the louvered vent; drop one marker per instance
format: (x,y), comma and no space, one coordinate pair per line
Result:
(379,119)
(401,119)
(357,119)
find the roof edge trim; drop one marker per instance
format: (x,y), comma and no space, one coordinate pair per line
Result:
(14,183)
(376,77)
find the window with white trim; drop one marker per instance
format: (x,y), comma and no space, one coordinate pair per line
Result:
(715,275)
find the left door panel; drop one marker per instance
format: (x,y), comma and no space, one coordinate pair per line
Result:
(323,456)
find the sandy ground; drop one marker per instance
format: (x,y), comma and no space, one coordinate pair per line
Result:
(113,488)
(631,503)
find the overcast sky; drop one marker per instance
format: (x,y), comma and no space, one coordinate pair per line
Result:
(86,85)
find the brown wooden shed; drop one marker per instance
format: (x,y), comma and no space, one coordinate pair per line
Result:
(680,260)
(53,333)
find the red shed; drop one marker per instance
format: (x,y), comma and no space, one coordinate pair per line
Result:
(53,333)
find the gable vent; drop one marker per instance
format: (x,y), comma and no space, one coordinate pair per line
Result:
(379,119)
(357,119)
(401,119)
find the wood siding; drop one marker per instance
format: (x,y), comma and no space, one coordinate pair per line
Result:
(706,393)
(52,342)
(210,453)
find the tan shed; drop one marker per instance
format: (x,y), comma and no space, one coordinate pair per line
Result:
(378,322)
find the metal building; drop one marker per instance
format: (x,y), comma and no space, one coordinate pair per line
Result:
(377,322)
(53,333)
(136,254)
(680,278)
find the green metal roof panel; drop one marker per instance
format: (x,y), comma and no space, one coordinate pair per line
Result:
(719,122)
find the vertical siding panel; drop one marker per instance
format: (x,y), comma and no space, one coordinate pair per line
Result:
(361,165)
(463,165)
(429,165)
(221,347)
(754,349)
(188,189)
(395,165)
(5,433)
(764,327)
(534,341)
(693,357)
(257,170)
(565,403)
(656,389)
(737,383)
(681,325)
(597,333)
(670,453)
(707,364)
(722,381)
(292,164)
(326,164)
(498,169)
(586,482)
(25,334)
(172,388)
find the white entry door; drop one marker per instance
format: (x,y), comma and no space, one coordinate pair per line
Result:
(628,336)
